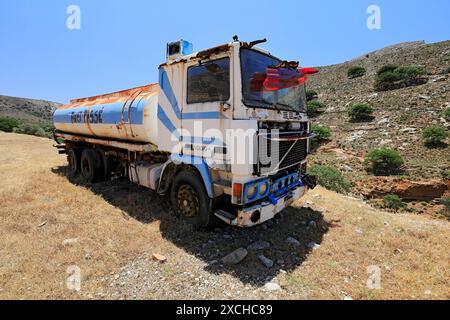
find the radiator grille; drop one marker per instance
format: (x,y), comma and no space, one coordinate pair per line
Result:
(278,154)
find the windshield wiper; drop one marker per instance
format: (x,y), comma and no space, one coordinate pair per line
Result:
(272,105)
(285,105)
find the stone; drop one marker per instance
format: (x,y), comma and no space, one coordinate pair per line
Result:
(272,287)
(294,242)
(235,257)
(259,245)
(425,190)
(265,261)
(383,121)
(69,242)
(159,257)
(313,246)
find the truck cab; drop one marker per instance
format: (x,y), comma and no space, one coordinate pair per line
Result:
(251,144)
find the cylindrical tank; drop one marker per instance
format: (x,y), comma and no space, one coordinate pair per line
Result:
(129,115)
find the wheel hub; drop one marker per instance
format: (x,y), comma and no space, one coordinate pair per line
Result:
(188,203)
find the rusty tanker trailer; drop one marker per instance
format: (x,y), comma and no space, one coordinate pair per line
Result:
(129,115)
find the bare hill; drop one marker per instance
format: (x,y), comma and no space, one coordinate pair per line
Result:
(28,110)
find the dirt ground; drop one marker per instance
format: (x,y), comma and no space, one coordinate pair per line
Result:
(52,226)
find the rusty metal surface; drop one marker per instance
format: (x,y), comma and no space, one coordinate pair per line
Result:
(134,147)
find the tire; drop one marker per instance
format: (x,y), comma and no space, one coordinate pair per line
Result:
(91,165)
(191,201)
(74,160)
(106,168)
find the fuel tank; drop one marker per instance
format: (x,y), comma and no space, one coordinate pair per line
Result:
(128,115)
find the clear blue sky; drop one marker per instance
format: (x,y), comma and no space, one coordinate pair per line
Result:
(121,43)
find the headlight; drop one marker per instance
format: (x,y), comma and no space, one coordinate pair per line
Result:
(263,188)
(251,192)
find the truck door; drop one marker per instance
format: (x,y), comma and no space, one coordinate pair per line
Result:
(206,111)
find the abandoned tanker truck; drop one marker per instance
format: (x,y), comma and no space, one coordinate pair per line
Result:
(225,133)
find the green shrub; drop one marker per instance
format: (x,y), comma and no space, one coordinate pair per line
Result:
(411,72)
(361,112)
(330,178)
(383,161)
(446,211)
(311,95)
(355,72)
(322,133)
(447,113)
(31,129)
(434,136)
(448,70)
(8,124)
(445,202)
(392,77)
(387,68)
(316,107)
(393,201)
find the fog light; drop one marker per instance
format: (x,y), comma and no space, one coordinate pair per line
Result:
(263,188)
(251,192)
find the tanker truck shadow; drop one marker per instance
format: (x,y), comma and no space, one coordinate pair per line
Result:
(305,226)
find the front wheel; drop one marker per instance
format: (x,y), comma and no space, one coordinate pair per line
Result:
(191,201)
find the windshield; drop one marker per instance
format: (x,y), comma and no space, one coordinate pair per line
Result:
(254,63)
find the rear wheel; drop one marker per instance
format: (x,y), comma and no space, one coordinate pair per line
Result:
(91,165)
(191,201)
(74,160)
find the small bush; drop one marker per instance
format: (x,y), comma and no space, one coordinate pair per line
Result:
(361,112)
(446,211)
(392,77)
(447,113)
(322,133)
(383,161)
(330,178)
(448,70)
(8,124)
(31,129)
(434,136)
(311,95)
(387,68)
(445,202)
(393,201)
(316,107)
(355,72)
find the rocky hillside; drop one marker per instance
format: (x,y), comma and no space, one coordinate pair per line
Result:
(27,110)
(400,115)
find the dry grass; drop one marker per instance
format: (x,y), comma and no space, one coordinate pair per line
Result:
(119,226)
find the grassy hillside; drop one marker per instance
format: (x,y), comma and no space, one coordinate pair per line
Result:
(28,115)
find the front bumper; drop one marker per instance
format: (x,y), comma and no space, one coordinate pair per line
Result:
(252,216)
